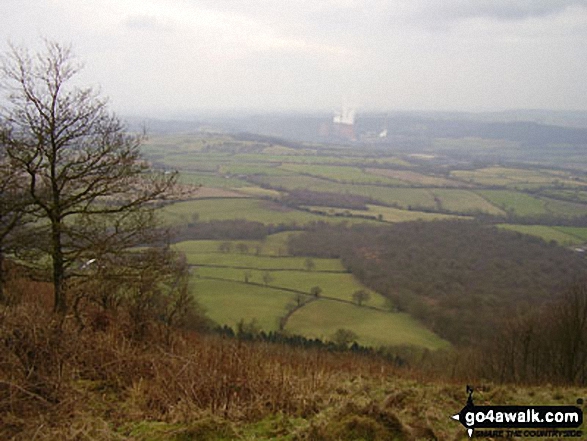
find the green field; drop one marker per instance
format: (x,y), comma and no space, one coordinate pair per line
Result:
(260,262)
(565,236)
(233,286)
(414,178)
(341,174)
(319,156)
(258,192)
(239,169)
(210,180)
(578,232)
(339,286)
(463,201)
(227,302)
(523,204)
(273,245)
(516,177)
(565,209)
(234,259)
(230,209)
(520,204)
(255,210)
(571,195)
(321,319)
(400,196)
(387,214)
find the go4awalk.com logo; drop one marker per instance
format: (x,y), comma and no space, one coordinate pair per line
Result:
(519,421)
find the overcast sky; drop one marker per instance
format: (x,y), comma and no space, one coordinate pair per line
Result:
(165,58)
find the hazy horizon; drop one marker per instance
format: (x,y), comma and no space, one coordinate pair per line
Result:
(166,59)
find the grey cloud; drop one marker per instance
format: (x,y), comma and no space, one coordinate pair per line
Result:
(147,22)
(501,9)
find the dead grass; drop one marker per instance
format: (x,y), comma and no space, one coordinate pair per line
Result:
(63,381)
(54,372)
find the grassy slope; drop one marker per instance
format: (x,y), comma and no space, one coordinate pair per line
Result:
(388,214)
(322,318)
(523,204)
(414,178)
(248,209)
(260,262)
(273,245)
(341,174)
(242,208)
(378,409)
(228,302)
(335,285)
(515,177)
(463,201)
(219,286)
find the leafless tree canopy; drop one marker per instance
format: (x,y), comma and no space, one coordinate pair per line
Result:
(82,172)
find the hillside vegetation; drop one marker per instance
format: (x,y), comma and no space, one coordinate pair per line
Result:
(98,382)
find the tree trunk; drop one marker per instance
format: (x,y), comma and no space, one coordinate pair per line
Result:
(60,301)
(2,277)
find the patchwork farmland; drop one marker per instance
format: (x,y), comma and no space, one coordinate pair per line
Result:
(282,188)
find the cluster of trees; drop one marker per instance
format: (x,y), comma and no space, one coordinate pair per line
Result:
(343,340)
(542,345)
(237,229)
(458,277)
(76,197)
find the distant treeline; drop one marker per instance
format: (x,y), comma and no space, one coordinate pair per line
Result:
(552,220)
(525,132)
(400,356)
(460,278)
(413,129)
(272,140)
(237,229)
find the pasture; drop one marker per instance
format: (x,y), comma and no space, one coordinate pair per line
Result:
(523,204)
(386,214)
(322,318)
(229,209)
(416,179)
(348,174)
(227,302)
(517,177)
(259,262)
(257,280)
(272,245)
(236,286)
(339,286)
(211,180)
(514,202)
(565,236)
(464,201)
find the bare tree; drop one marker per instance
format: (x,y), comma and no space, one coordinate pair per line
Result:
(344,337)
(248,276)
(316,291)
(361,296)
(300,299)
(83,172)
(267,278)
(242,248)
(225,247)
(14,211)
